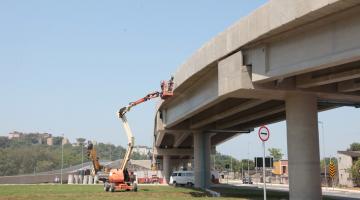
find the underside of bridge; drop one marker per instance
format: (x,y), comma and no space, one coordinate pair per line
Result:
(310,62)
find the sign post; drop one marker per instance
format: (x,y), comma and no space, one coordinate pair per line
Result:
(256,170)
(264,135)
(332,172)
(227,166)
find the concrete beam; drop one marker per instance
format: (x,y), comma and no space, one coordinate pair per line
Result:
(325,43)
(269,19)
(173,152)
(159,138)
(251,117)
(233,74)
(349,86)
(161,133)
(201,94)
(217,139)
(175,131)
(307,80)
(324,92)
(244,106)
(313,51)
(180,139)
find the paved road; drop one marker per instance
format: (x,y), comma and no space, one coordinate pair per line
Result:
(336,192)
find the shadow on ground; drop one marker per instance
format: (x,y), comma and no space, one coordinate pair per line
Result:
(198,193)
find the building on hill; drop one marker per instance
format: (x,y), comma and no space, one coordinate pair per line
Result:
(43,137)
(15,134)
(36,138)
(346,159)
(142,150)
(65,141)
(50,141)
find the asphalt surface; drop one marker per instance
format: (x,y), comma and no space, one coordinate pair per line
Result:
(339,193)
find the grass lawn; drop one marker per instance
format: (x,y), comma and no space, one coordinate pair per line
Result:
(91,192)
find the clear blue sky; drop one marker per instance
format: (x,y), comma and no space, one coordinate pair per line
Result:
(66,67)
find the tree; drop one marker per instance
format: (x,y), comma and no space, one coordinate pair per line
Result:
(21,156)
(32,138)
(4,142)
(245,164)
(222,160)
(80,141)
(137,156)
(57,141)
(355,172)
(327,161)
(276,153)
(354,147)
(44,165)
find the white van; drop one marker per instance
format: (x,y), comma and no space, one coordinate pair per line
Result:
(187,178)
(182,178)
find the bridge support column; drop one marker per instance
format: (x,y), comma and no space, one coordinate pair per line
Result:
(167,168)
(202,150)
(184,164)
(303,146)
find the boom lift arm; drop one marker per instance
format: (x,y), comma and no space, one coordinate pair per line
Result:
(167,88)
(91,153)
(131,141)
(118,179)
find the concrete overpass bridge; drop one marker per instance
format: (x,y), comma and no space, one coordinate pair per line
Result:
(288,60)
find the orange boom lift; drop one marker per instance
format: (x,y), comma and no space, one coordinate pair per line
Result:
(119,179)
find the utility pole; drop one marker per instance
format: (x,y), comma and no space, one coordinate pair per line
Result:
(215,161)
(324,154)
(242,170)
(248,169)
(255,167)
(62,159)
(82,155)
(110,152)
(332,178)
(248,161)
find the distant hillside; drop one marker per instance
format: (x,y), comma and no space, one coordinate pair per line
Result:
(22,153)
(25,154)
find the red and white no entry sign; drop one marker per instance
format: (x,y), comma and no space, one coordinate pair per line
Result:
(264,133)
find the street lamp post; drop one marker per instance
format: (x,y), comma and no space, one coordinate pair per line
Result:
(110,152)
(248,161)
(324,154)
(248,169)
(215,161)
(62,159)
(242,170)
(255,168)
(82,155)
